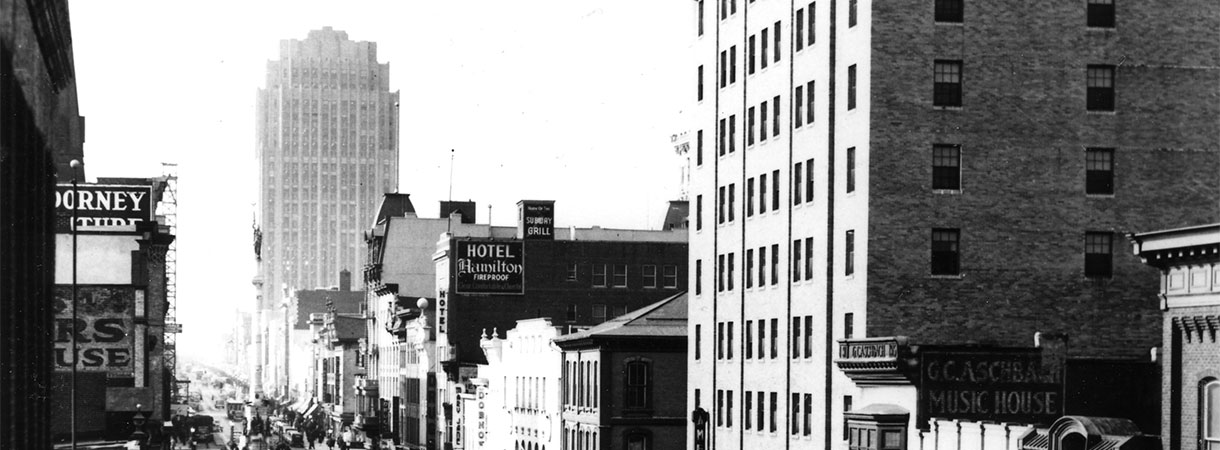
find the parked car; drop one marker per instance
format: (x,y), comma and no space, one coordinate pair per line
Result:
(295,437)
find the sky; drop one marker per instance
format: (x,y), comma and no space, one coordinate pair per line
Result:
(567,100)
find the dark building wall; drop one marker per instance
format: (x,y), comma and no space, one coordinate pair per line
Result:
(1023,130)
(41,132)
(548,293)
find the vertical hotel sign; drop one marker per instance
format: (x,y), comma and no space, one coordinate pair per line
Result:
(490,267)
(102,207)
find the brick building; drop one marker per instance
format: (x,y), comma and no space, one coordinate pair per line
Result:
(579,277)
(1189,296)
(42,131)
(625,381)
(955,172)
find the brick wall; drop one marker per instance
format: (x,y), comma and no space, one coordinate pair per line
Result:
(1023,129)
(1186,364)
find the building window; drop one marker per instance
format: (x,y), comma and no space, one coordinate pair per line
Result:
(732,200)
(669,275)
(700,17)
(729,409)
(572,272)
(796,336)
(796,257)
(732,64)
(849,326)
(808,258)
(750,126)
(762,339)
(732,261)
(808,415)
(949,11)
(947,83)
(698,341)
(650,276)
(1099,171)
(795,415)
(762,266)
(808,336)
(796,183)
(599,313)
(719,273)
(809,102)
(762,43)
(809,180)
(698,277)
(1101,13)
(945,254)
(774,339)
(946,167)
(851,169)
(1100,88)
(800,29)
(774,408)
(749,268)
(851,87)
(774,264)
(637,388)
(571,313)
(1098,255)
(775,190)
(620,275)
(749,349)
(599,275)
(749,415)
(699,93)
(732,133)
(798,102)
(777,35)
(812,22)
(750,197)
(851,13)
(762,193)
(1210,414)
(762,122)
(775,116)
(849,253)
(762,401)
(699,212)
(699,148)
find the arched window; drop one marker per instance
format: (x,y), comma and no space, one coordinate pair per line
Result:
(638,385)
(1209,419)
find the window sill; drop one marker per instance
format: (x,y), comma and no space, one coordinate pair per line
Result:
(946,108)
(947,191)
(949,24)
(1087,195)
(1092,112)
(1110,29)
(947,277)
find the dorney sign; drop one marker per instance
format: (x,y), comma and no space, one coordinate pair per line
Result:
(102,207)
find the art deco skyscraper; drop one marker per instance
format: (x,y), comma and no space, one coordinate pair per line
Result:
(327,150)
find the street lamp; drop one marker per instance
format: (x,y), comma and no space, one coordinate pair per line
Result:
(137,421)
(75,165)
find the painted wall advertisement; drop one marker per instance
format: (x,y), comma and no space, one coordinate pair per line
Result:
(102,207)
(490,267)
(1000,386)
(103,329)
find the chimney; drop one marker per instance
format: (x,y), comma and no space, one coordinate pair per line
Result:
(345,280)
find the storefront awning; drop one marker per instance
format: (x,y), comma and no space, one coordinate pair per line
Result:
(301,405)
(309,411)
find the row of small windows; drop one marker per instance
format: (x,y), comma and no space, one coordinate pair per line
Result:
(615,275)
(1099,14)
(761,411)
(599,312)
(946,253)
(946,176)
(801,333)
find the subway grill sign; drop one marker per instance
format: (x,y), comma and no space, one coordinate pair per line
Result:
(1003,386)
(489,267)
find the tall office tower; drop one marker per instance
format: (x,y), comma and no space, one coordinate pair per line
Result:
(949,171)
(327,150)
